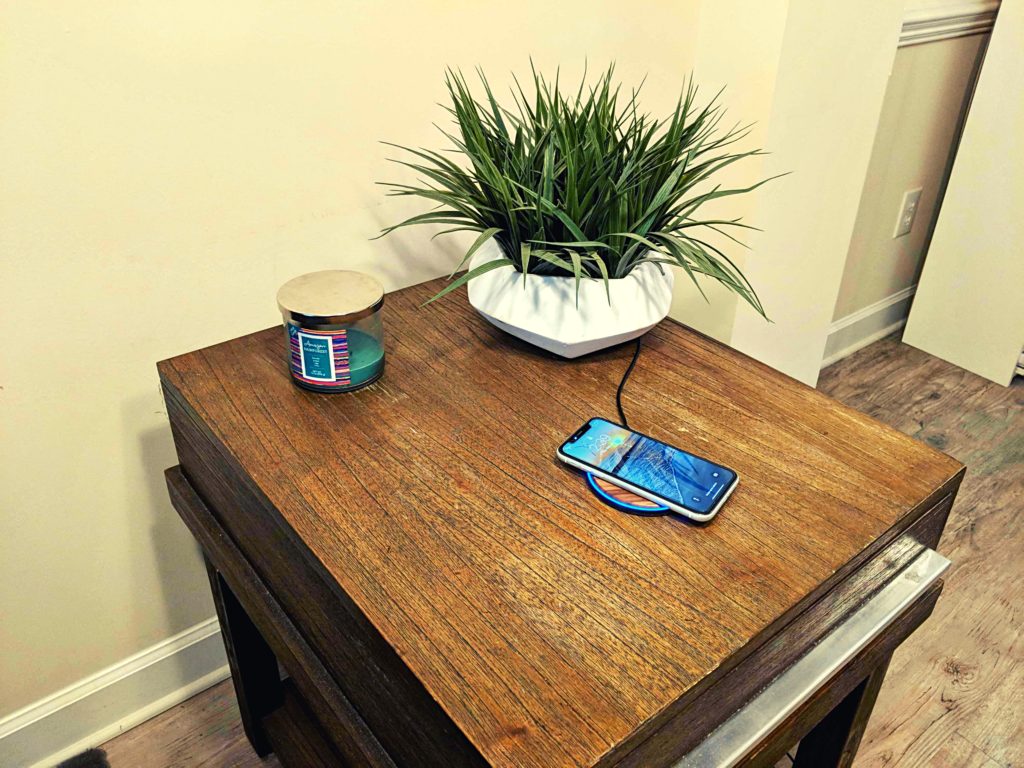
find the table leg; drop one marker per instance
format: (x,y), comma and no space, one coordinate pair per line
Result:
(833,742)
(253,664)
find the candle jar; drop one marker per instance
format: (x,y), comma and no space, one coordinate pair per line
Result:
(334,329)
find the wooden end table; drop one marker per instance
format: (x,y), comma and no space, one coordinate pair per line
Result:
(440,590)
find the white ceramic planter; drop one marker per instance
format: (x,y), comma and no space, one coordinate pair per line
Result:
(545,313)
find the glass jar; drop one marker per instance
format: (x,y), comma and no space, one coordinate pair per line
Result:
(334,329)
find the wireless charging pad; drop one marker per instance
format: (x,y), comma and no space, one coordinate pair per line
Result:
(623,500)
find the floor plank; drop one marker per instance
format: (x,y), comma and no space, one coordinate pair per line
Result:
(206,730)
(954,695)
(958,752)
(961,673)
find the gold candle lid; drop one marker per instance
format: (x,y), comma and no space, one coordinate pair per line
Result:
(331,297)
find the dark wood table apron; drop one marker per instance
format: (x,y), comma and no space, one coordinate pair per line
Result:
(442,591)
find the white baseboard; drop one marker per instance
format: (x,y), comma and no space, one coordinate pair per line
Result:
(101,706)
(848,334)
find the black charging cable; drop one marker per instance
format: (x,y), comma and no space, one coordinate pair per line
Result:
(622,384)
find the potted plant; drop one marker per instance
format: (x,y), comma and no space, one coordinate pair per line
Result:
(580,203)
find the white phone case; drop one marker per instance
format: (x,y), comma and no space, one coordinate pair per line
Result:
(703,518)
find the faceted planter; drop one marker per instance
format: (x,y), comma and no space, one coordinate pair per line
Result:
(545,312)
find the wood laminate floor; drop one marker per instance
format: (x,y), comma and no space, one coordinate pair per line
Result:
(954,694)
(206,730)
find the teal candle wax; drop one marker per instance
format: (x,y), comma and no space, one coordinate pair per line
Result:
(335,329)
(365,357)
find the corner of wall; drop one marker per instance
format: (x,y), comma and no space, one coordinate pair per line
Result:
(807,217)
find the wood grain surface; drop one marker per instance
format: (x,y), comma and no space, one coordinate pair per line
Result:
(296,739)
(550,628)
(292,650)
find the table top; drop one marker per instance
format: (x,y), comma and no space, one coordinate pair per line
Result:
(549,626)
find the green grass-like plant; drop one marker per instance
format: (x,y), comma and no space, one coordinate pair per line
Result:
(585,187)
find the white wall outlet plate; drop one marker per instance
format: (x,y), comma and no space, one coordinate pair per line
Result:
(908,210)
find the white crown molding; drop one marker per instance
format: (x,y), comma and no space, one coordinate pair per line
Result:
(99,707)
(876,321)
(926,25)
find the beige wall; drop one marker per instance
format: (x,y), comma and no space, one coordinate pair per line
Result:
(836,58)
(915,134)
(738,48)
(968,308)
(164,167)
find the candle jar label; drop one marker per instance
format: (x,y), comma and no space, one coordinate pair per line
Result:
(320,357)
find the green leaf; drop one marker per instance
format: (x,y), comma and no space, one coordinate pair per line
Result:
(573,243)
(494,105)
(680,260)
(549,173)
(552,209)
(577,268)
(665,191)
(482,269)
(486,235)
(434,217)
(604,275)
(552,258)
(639,238)
(455,229)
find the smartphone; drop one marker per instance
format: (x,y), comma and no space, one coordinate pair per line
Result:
(686,484)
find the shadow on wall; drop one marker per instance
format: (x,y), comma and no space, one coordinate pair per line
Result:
(176,567)
(178,557)
(413,253)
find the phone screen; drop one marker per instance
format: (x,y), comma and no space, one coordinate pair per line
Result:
(680,477)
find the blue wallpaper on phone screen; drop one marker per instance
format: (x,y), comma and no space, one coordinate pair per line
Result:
(667,471)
